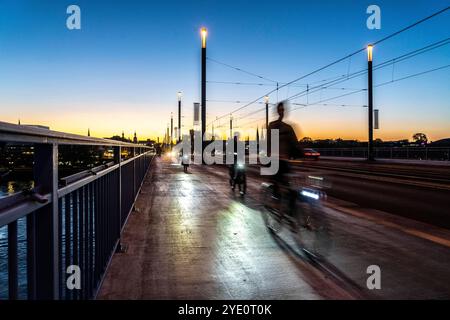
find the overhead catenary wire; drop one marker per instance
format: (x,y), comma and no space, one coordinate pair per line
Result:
(238,83)
(384,64)
(343,58)
(321,102)
(333,105)
(377,85)
(361,72)
(240,70)
(229,101)
(413,75)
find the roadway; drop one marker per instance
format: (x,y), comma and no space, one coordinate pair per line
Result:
(415,191)
(191,237)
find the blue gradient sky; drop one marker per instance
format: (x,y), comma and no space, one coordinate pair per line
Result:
(122,70)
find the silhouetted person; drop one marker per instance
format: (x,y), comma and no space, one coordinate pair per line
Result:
(232,168)
(289,148)
(185,158)
(158,150)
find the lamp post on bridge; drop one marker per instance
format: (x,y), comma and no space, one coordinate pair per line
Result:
(266,101)
(167,136)
(370,155)
(179,95)
(171,131)
(203,33)
(231,126)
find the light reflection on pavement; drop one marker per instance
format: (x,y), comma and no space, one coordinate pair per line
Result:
(194,239)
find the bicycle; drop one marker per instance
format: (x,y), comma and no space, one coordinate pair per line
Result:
(299,210)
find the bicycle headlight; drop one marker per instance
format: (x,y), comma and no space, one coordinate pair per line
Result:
(310,194)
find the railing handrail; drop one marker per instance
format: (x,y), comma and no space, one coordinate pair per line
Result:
(10,204)
(397,152)
(365,148)
(10,132)
(79,222)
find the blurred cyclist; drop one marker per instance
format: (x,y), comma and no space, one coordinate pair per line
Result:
(232,167)
(289,148)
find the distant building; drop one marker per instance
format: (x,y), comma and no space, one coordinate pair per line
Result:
(147,142)
(36,126)
(119,138)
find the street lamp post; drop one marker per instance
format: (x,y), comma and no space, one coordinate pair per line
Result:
(370,155)
(266,100)
(171,130)
(167,136)
(204,33)
(179,94)
(231,126)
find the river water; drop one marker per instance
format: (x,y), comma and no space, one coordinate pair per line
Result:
(22,247)
(9,188)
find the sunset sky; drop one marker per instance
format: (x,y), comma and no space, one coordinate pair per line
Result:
(122,70)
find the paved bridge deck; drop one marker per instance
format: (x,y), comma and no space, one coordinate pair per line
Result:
(192,238)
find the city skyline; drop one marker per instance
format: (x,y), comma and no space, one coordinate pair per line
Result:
(122,70)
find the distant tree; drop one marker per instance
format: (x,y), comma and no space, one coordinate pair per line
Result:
(420,138)
(306,141)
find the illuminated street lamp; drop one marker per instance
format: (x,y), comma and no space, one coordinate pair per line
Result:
(203,33)
(370,153)
(369,52)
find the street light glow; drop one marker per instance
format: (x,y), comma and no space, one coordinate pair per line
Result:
(369,52)
(204,33)
(266,99)
(179,95)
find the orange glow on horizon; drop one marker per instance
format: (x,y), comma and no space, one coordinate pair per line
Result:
(151,125)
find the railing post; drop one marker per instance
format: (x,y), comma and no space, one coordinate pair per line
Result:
(118,160)
(142,165)
(134,173)
(47,229)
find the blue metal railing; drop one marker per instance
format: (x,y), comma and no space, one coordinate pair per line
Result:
(75,221)
(411,153)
